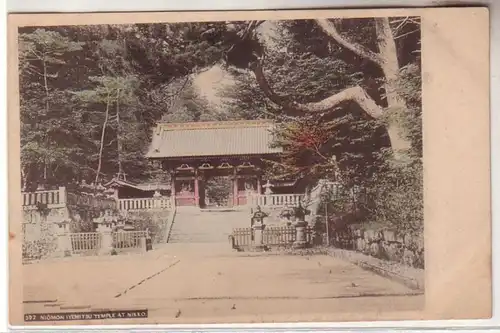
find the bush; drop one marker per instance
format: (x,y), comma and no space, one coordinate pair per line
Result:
(37,249)
(392,199)
(396,197)
(155,222)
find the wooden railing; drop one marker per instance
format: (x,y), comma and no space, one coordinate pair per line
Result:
(241,237)
(53,198)
(137,204)
(279,235)
(271,236)
(128,239)
(276,200)
(85,241)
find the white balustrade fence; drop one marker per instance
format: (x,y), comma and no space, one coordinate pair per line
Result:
(52,198)
(276,200)
(137,204)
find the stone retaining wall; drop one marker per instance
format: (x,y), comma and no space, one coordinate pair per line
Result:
(382,243)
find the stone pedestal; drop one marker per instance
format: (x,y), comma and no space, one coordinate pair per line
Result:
(64,247)
(143,244)
(106,242)
(301,240)
(258,230)
(105,231)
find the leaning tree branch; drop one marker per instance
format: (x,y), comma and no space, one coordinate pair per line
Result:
(329,28)
(356,94)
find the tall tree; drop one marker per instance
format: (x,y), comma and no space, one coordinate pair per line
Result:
(385,59)
(41,56)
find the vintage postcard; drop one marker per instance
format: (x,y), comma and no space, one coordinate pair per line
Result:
(249,167)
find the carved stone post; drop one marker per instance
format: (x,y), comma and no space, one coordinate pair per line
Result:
(64,247)
(142,244)
(300,227)
(258,230)
(258,227)
(157,199)
(105,232)
(301,241)
(62,195)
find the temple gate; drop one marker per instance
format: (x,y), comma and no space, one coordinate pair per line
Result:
(196,153)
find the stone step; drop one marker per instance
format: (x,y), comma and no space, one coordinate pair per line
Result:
(195,226)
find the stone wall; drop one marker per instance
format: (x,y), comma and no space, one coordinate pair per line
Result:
(34,216)
(39,240)
(40,231)
(381,243)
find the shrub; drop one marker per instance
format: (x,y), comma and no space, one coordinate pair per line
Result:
(397,197)
(155,222)
(37,249)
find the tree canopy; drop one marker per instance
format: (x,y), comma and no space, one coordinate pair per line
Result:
(343,92)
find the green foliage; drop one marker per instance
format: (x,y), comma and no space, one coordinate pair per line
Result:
(396,197)
(154,222)
(218,190)
(143,73)
(70,75)
(44,109)
(189,105)
(409,86)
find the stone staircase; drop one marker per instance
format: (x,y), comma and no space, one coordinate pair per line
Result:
(192,225)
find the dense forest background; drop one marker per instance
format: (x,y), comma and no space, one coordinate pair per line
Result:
(346,93)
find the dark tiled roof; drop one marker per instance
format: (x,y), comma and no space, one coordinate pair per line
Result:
(212,139)
(152,186)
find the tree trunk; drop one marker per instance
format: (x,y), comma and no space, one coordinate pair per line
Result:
(390,68)
(118,135)
(103,132)
(387,60)
(47,109)
(23,179)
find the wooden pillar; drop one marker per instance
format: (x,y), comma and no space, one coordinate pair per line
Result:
(196,189)
(259,185)
(235,188)
(172,187)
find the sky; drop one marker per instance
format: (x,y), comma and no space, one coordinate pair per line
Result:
(210,81)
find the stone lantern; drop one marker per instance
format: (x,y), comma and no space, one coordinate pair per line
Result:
(300,214)
(105,223)
(287,214)
(268,188)
(257,224)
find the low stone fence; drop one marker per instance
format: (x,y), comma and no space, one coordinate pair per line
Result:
(267,237)
(67,244)
(85,242)
(129,239)
(381,243)
(103,243)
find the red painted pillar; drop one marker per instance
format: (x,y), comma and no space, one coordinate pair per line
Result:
(235,189)
(172,188)
(196,189)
